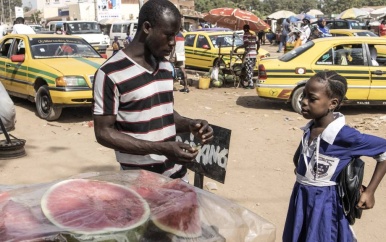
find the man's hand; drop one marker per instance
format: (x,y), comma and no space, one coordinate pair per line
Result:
(179,152)
(202,130)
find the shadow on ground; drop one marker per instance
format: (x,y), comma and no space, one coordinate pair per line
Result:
(69,115)
(260,103)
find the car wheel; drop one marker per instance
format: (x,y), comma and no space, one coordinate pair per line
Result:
(296,98)
(44,105)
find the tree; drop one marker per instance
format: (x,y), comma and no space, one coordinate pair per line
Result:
(9,9)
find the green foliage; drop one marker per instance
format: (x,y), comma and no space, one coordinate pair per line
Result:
(9,9)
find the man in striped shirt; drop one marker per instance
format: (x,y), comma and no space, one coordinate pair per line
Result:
(133,99)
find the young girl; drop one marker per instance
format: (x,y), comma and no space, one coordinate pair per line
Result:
(315,212)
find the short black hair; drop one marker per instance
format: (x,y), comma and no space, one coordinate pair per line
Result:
(153,10)
(336,85)
(19,20)
(246,26)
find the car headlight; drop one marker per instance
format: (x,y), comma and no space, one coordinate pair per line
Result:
(71,81)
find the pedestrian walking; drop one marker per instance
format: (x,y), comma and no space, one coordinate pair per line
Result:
(116,46)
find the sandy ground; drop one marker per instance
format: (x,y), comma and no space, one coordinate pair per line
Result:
(259,176)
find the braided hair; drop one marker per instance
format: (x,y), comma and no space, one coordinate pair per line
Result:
(336,85)
(153,10)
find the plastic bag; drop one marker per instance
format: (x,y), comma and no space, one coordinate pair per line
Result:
(214,74)
(23,215)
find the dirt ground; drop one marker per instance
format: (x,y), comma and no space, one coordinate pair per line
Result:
(259,175)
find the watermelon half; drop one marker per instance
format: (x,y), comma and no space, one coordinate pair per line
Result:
(174,208)
(92,207)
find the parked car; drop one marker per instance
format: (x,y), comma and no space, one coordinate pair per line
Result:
(352,32)
(343,24)
(335,33)
(54,71)
(361,60)
(202,48)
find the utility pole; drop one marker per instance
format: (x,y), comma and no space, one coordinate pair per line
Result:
(10,11)
(2,12)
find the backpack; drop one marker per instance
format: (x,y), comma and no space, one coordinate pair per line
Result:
(115,46)
(349,188)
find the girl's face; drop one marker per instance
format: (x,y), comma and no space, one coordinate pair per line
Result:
(315,102)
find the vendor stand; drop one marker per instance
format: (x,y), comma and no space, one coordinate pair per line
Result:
(79,209)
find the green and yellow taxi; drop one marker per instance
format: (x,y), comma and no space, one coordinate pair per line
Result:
(361,60)
(54,71)
(205,49)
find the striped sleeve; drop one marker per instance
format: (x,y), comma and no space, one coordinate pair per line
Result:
(106,95)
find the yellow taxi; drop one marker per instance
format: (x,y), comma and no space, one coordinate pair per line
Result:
(205,49)
(352,32)
(54,71)
(361,60)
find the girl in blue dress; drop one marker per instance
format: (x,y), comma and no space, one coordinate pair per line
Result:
(315,212)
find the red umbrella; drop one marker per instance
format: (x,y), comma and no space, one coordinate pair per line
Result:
(235,19)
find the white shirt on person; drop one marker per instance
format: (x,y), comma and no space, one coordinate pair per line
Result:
(22,29)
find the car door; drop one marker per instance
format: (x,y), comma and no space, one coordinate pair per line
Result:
(348,60)
(377,62)
(5,48)
(189,49)
(203,52)
(16,72)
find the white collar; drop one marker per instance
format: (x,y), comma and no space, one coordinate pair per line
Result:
(331,131)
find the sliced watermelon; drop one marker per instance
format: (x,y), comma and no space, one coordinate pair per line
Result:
(174,208)
(91,207)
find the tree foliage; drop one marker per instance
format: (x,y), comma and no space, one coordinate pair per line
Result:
(263,8)
(9,9)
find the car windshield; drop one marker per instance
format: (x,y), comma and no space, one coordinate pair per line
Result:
(366,33)
(48,48)
(225,40)
(355,25)
(297,51)
(83,27)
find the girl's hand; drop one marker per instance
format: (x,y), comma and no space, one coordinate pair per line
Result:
(367,200)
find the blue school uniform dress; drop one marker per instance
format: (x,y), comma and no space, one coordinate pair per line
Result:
(315,212)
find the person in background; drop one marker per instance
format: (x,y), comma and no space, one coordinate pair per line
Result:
(305,30)
(127,40)
(116,46)
(260,36)
(315,211)
(251,46)
(382,28)
(322,28)
(285,30)
(177,58)
(20,28)
(133,99)
(7,110)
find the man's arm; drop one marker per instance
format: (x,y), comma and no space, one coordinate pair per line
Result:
(108,136)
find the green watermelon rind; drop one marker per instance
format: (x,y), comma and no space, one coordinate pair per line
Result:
(46,212)
(177,232)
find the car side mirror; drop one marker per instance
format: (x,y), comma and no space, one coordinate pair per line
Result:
(17,58)
(206,47)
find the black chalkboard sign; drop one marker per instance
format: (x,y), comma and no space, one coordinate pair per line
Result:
(212,158)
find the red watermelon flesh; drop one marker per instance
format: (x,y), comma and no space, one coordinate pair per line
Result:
(17,222)
(94,207)
(174,208)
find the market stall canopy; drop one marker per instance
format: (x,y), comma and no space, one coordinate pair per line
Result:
(315,12)
(235,19)
(281,14)
(380,12)
(353,13)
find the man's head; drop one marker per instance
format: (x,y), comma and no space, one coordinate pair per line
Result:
(306,20)
(246,28)
(159,21)
(19,20)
